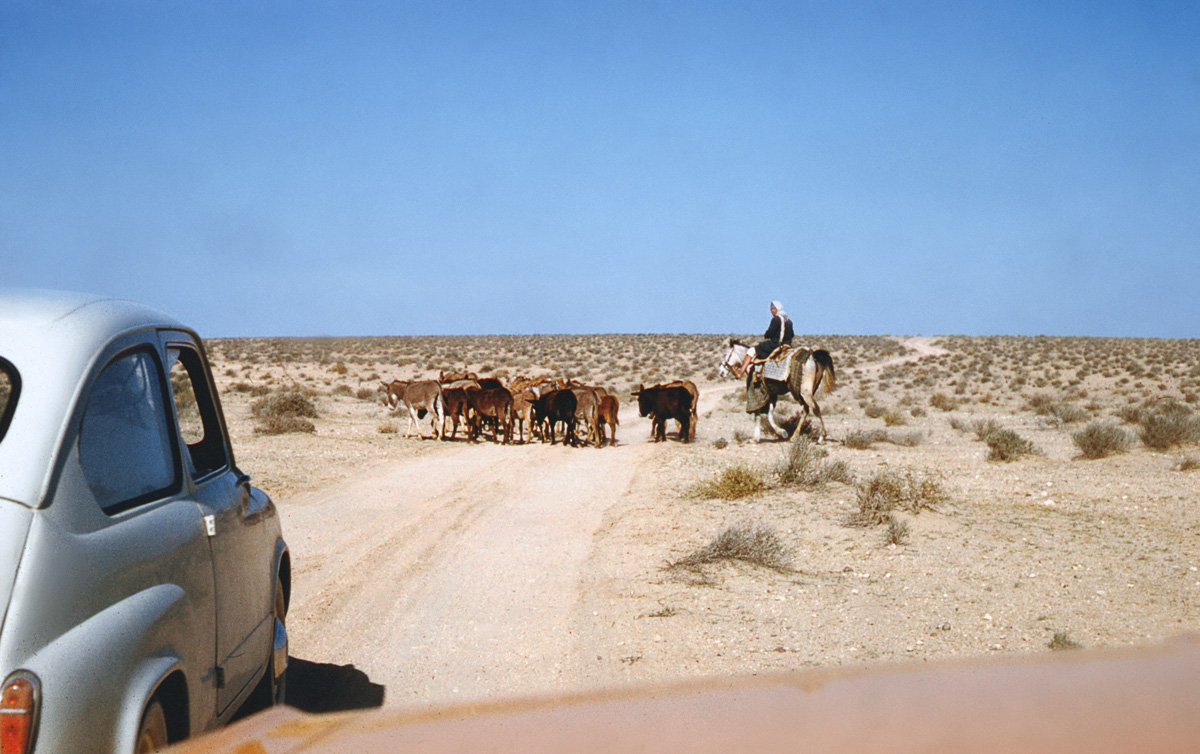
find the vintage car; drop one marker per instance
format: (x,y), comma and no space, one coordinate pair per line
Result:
(143,581)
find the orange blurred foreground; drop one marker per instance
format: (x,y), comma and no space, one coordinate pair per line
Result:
(1145,700)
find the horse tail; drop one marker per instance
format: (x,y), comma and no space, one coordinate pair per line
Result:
(825,364)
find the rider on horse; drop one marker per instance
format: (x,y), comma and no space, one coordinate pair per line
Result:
(778,333)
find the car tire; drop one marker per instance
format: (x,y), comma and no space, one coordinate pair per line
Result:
(271,689)
(152,733)
(279,693)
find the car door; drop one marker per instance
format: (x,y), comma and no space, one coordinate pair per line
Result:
(233,514)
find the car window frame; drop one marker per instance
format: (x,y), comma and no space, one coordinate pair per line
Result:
(176,485)
(212,420)
(14,395)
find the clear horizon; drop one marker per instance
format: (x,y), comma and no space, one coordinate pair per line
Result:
(309,169)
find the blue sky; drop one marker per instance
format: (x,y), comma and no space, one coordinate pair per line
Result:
(391,168)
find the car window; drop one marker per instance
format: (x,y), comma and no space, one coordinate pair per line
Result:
(9,388)
(199,425)
(125,443)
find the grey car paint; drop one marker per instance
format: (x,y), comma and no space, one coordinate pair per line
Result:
(110,610)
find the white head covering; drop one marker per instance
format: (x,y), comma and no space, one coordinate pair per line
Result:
(778,307)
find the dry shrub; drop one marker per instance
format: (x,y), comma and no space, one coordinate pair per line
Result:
(897,532)
(280,425)
(731,484)
(894,418)
(805,467)
(246,387)
(283,412)
(1040,403)
(750,542)
(1100,440)
(864,439)
(887,490)
(1167,424)
(1068,413)
(1006,445)
(1062,640)
(906,439)
(943,402)
(874,411)
(1188,463)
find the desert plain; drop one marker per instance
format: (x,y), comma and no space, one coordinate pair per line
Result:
(976,497)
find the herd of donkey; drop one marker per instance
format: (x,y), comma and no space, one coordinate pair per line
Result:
(536,408)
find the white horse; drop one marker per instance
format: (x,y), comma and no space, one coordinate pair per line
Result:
(803,381)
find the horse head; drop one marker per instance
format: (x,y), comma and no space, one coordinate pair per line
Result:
(734,354)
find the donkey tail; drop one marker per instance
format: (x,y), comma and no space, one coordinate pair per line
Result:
(825,363)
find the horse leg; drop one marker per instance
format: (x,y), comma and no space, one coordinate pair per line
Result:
(808,391)
(778,430)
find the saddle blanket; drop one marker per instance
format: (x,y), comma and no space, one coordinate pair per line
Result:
(778,369)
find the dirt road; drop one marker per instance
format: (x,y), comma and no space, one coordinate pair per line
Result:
(457,575)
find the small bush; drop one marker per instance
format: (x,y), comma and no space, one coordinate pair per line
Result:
(1188,463)
(985,428)
(720,443)
(289,403)
(806,468)
(731,484)
(897,532)
(906,439)
(886,491)
(388,428)
(894,418)
(1006,445)
(1100,440)
(280,425)
(1068,413)
(864,439)
(1168,425)
(753,543)
(943,402)
(370,394)
(280,413)
(874,411)
(1040,403)
(1062,641)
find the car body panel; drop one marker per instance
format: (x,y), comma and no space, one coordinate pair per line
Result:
(1075,702)
(103,602)
(49,338)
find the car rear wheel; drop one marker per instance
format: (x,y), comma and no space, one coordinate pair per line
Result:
(152,733)
(272,689)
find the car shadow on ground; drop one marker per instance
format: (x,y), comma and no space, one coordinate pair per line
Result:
(325,687)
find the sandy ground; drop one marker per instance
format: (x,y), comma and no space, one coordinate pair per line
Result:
(447,572)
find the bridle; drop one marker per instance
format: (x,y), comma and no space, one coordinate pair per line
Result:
(733,357)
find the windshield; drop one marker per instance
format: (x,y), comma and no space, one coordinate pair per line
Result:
(9,388)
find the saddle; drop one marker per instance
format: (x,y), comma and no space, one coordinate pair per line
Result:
(777,365)
(782,365)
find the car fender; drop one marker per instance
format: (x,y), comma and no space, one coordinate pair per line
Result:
(155,625)
(142,686)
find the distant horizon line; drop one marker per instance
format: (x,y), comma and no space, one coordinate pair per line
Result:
(690,334)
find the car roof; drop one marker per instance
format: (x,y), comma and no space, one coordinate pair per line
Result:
(52,338)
